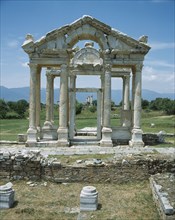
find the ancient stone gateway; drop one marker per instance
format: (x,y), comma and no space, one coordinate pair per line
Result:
(119,56)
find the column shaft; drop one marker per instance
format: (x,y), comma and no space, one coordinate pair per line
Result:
(38,97)
(32,108)
(126,103)
(107,98)
(99,114)
(72,106)
(137,100)
(32,131)
(107,131)
(102,99)
(49,103)
(136,140)
(63,98)
(52,100)
(63,110)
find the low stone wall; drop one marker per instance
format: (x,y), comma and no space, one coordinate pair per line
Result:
(34,166)
(163,190)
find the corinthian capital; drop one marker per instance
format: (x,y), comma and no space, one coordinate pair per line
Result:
(107,67)
(139,67)
(64,67)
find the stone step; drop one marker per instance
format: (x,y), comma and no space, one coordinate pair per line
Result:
(85,142)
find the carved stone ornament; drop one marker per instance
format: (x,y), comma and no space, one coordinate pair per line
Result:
(139,67)
(107,67)
(143,39)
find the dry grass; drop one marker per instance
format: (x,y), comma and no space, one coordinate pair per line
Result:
(127,201)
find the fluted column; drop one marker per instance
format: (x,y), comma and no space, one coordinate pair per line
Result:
(137,132)
(72,106)
(49,90)
(126,113)
(102,99)
(107,96)
(38,102)
(49,131)
(63,109)
(52,100)
(106,131)
(32,131)
(126,103)
(99,114)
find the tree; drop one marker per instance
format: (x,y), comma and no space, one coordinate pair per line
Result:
(79,107)
(145,104)
(163,104)
(3,109)
(21,107)
(94,102)
(92,108)
(112,105)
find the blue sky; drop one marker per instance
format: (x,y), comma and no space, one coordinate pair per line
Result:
(154,18)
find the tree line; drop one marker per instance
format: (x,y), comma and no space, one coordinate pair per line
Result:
(20,109)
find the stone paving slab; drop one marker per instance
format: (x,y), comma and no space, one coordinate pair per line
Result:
(79,149)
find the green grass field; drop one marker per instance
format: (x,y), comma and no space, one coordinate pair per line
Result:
(55,201)
(9,129)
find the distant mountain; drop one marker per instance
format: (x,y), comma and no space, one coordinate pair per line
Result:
(15,94)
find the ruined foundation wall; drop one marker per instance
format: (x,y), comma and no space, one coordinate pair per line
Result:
(34,166)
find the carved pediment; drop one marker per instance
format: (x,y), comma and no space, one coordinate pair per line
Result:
(86,28)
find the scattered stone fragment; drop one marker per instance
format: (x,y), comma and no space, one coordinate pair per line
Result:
(29,182)
(45,184)
(79,161)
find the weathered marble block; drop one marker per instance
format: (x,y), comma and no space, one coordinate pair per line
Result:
(6,196)
(88,199)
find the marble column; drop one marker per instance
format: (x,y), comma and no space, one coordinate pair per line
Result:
(136,140)
(126,101)
(72,106)
(133,96)
(63,116)
(107,131)
(102,99)
(99,95)
(38,102)
(48,130)
(32,131)
(49,90)
(52,100)
(126,113)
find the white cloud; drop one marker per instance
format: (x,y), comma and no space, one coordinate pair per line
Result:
(159,63)
(162,45)
(25,64)
(13,43)
(158,80)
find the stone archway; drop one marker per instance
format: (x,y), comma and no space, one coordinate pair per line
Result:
(118,51)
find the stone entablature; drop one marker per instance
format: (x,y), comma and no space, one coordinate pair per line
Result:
(119,56)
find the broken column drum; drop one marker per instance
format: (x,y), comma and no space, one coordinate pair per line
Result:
(88,199)
(6,196)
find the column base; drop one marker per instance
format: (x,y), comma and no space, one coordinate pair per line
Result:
(136,140)
(106,140)
(39,133)
(32,135)
(63,137)
(49,132)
